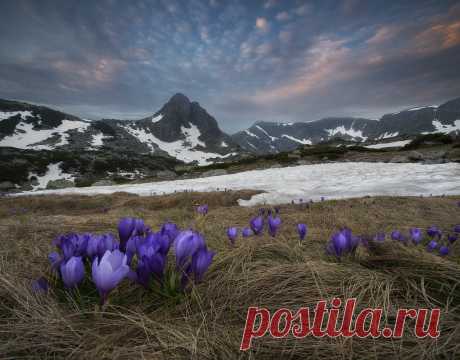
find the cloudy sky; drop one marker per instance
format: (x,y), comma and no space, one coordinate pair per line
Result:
(244,61)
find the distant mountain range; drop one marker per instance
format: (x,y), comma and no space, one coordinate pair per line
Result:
(180,129)
(272,137)
(184,130)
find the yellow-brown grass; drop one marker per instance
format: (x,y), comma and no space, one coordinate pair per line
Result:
(258,271)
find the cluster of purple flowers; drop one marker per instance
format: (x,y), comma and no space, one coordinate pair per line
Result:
(140,255)
(268,217)
(342,242)
(434,235)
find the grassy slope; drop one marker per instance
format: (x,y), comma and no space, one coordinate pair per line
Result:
(260,271)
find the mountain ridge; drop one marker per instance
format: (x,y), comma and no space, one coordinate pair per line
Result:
(184,130)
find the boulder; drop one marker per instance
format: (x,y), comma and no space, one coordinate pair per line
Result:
(59,184)
(275,166)
(399,159)
(217,172)
(6,185)
(454,155)
(415,156)
(104,183)
(304,162)
(166,175)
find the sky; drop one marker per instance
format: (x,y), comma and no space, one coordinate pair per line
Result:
(244,61)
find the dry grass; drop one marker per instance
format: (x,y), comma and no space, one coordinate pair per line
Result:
(259,271)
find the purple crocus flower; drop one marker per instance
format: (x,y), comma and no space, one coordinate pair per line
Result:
(72,244)
(416,235)
(338,244)
(397,235)
(431,246)
(186,245)
(170,229)
(109,271)
(302,231)
(457,229)
(273,225)
(352,241)
(443,250)
(433,231)
(201,261)
(452,238)
(202,209)
(257,224)
(247,232)
(55,260)
(72,271)
(232,233)
(40,285)
(379,237)
(99,244)
(128,227)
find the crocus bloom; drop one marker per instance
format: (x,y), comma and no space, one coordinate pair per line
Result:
(433,231)
(170,229)
(72,271)
(338,244)
(397,235)
(201,261)
(109,271)
(380,237)
(431,246)
(416,235)
(457,228)
(40,285)
(232,233)
(128,227)
(452,238)
(72,244)
(352,241)
(246,232)
(202,209)
(302,230)
(257,224)
(55,260)
(186,244)
(273,224)
(443,251)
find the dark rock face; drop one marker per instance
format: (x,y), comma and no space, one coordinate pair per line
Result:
(180,129)
(270,137)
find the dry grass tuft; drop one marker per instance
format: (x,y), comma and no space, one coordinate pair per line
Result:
(259,271)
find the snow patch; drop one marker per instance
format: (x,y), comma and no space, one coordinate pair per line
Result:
(303,141)
(272,138)
(223,144)
(251,134)
(54,172)
(26,137)
(388,135)
(388,144)
(7,114)
(333,181)
(446,128)
(422,107)
(157,118)
(98,140)
(341,130)
(181,149)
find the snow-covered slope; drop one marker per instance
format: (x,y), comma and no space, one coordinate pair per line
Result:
(333,181)
(180,129)
(272,137)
